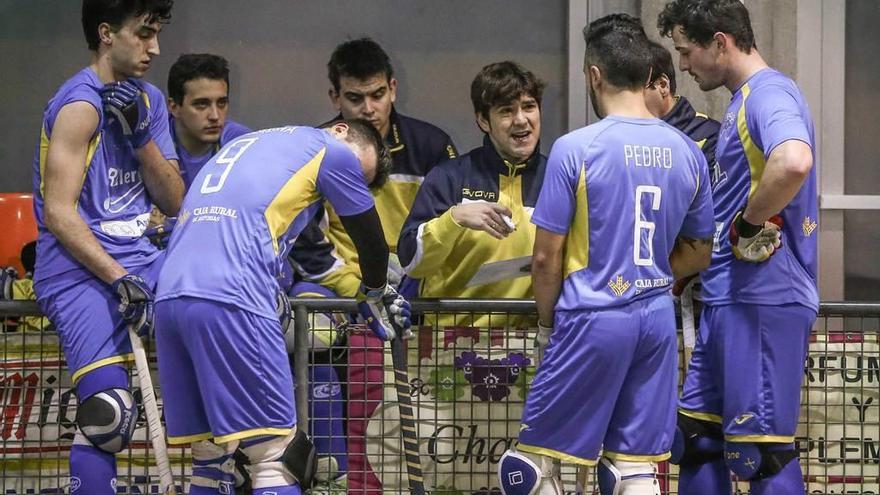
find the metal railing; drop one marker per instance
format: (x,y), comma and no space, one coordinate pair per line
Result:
(467,384)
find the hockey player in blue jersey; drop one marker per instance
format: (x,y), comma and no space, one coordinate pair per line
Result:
(222,314)
(741,396)
(105,156)
(625,207)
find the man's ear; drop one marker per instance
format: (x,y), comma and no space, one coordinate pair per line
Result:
(595,76)
(484,124)
(334,98)
(173,107)
(104,32)
(392,88)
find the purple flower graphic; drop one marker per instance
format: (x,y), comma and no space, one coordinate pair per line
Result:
(491,379)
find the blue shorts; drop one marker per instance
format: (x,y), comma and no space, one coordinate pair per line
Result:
(746,370)
(85,313)
(223,371)
(608,378)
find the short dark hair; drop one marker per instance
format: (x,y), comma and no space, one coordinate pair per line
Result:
(116,12)
(360,59)
(620,22)
(501,83)
(190,66)
(661,64)
(701,19)
(363,133)
(621,54)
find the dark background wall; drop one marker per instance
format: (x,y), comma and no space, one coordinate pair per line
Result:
(278,51)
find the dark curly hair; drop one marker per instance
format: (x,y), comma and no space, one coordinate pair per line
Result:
(701,19)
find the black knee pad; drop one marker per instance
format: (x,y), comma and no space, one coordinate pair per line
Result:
(108,419)
(755,461)
(696,442)
(300,458)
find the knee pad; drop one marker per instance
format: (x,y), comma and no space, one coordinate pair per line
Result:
(696,442)
(213,466)
(755,461)
(528,474)
(107,419)
(626,478)
(281,461)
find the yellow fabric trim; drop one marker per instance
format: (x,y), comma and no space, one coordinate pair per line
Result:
(124,358)
(556,455)
(253,433)
(712,418)
(344,281)
(577,243)
(701,143)
(753,154)
(296,195)
(759,438)
(439,237)
(617,456)
(701,114)
(189,438)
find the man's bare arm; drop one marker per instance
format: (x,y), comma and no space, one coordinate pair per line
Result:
(63,179)
(161,178)
(547,272)
(786,170)
(690,256)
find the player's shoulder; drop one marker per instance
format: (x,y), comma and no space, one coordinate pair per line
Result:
(232,130)
(154,94)
(82,86)
(422,135)
(771,86)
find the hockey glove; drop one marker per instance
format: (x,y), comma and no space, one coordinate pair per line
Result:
(542,338)
(125,101)
(755,243)
(8,275)
(159,234)
(282,309)
(379,306)
(135,303)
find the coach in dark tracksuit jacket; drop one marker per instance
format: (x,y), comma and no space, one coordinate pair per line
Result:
(476,209)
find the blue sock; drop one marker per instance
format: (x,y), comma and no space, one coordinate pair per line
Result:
(710,477)
(278,490)
(92,471)
(789,481)
(327,411)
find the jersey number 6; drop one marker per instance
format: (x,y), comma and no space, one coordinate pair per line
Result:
(641,225)
(228,157)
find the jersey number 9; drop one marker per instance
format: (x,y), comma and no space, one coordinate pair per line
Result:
(228,157)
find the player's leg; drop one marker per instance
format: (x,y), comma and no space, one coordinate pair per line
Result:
(326,403)
(569,404)
(638,437)
(213,469)
(698,446)
(763,375)
(95,343)
(247,390)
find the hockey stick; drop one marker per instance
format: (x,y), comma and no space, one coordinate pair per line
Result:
(407,418)
(151,409)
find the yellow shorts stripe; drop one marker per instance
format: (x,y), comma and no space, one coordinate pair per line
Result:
(556,455)
(704,416)
(759,438)
(123,358)
(617,456)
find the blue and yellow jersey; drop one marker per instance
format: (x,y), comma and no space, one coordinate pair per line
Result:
(621,191)
(767,110)
(416,147)
(446,255)
(190,165)
(697,126)
(247,206)
(114,201)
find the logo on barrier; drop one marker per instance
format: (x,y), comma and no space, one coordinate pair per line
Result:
(491,379)
(326,391)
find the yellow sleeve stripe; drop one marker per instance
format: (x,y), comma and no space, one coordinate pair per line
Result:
(577,244)
(300,191)
(754,155)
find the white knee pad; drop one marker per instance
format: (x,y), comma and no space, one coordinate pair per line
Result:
(627,478)
(213,466)
(521,473)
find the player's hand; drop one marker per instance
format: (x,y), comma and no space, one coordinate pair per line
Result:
(135,303)
(380,306)
(159,234)
(282,309)
(492,218)
(755,243)
(8,275)
(542,338)
(395,271)
(124,100)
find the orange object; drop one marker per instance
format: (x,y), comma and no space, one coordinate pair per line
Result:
(17,227)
